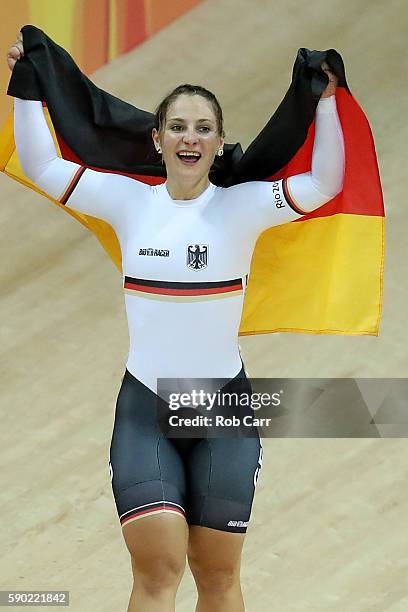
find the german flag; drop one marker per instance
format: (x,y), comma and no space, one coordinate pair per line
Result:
(320,274)
(324,272)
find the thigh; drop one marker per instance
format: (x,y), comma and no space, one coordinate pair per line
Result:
(221,478)
(147,473)
(157,545)
(212,548)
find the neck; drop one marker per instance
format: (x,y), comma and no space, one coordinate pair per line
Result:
(186,191)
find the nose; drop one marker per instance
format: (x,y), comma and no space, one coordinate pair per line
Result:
(190,136)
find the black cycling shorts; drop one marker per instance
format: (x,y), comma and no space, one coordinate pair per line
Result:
(210,480)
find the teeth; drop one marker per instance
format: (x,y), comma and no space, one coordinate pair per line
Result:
(185,154)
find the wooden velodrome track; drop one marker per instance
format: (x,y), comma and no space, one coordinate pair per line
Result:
(329,528)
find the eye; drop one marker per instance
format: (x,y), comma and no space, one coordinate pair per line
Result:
(177,128)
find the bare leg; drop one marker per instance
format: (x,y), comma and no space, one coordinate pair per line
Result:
(215,560)
(158,546)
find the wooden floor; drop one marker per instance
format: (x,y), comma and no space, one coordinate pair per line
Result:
(329,525)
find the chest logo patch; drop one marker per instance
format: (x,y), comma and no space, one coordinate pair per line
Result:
(197,256)
(155,252)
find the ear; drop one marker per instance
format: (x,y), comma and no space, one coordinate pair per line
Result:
(221,145)
(155,136)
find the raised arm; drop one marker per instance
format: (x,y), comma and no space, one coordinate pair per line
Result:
(282,201)
(37,152)
(308,191)
(99,194)
(96,193)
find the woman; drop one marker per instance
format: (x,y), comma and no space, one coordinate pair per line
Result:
(186,250)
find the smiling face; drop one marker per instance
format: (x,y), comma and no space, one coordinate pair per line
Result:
(189,140)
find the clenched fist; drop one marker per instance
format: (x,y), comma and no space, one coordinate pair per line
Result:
(15,52)
(333,81)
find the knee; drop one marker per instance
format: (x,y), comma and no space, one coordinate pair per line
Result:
(158,574)
(215,580)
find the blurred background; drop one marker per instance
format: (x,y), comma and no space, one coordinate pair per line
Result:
(93,31)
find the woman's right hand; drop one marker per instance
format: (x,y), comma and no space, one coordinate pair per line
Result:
(15,52)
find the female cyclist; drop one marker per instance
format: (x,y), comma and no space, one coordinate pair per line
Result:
(186,251)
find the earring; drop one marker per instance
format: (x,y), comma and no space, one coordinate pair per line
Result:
(158,149)
(220,152)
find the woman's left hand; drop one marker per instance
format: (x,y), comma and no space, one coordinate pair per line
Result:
(333,81)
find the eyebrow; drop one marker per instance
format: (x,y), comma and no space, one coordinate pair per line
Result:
(183,120)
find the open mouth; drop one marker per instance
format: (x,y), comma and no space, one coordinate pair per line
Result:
(189,158)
